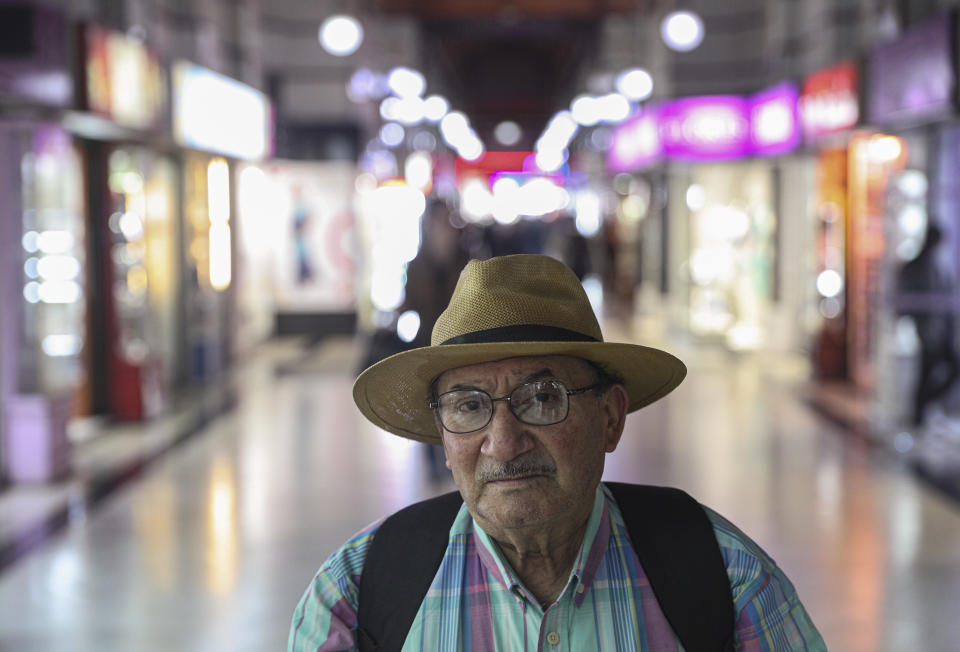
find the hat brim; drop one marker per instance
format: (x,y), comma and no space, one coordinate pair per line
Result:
(393,393)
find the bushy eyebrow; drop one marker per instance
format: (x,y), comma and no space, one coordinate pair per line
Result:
(543,373)
(537,375)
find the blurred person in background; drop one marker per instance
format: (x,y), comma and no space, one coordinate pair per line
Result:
(534,552)
(431,277)
(937,364)
(567,244)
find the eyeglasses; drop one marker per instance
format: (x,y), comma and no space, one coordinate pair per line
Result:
(537,403)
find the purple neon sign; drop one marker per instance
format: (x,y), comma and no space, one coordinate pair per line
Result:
(635,143)
(774,120)
(710,128)
(913,77)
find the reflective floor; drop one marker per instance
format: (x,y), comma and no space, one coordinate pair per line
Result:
(213,546)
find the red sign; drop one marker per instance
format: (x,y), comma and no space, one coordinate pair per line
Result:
(829,101)
(492,162)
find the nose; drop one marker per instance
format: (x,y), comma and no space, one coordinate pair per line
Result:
(506,438)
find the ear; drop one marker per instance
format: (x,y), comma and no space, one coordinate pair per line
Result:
(614,416)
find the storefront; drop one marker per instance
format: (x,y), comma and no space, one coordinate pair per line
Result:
(45,299)
(43,256)
(141,270)
(730,252)
(727,169)
(311,244)
(134,225)
(903,341)
(829,110)
(222,122)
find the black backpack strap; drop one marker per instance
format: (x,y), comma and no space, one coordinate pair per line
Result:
(401,562)
(676,545)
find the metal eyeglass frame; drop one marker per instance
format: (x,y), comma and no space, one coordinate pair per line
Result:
(435,405)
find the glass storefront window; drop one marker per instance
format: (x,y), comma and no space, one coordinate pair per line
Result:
(731,256)
(54,262)
(144,275)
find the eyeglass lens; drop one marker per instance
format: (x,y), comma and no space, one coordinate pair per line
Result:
(537,403)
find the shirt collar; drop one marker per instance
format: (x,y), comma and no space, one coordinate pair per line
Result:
(595,540)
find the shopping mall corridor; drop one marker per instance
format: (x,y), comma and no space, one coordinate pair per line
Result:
(212,546)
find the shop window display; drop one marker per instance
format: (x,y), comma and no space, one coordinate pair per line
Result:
(208,243)
(143,281)
(43,319)
(732,225)
(53,243)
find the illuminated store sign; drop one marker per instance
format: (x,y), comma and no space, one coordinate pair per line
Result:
(124,81)
(774,125)
(711,128)
(705,128)
(635,143)
(829,101)
(218,114)
(913,77)
(493,162)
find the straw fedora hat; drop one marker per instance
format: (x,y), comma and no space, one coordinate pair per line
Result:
(502,308)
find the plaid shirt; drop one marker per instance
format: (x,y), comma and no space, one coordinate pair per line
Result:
(476,602)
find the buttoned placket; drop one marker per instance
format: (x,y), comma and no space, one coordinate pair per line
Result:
(553,635)
(556,622)
(547,630)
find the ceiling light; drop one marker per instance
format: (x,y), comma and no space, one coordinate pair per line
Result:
(424,140)
(410,110)
(391,134)
(362,85)
(341,35)
(507,133)
(550,160)
(613,107)
(389,108)
(405,82)
(682,31)
(454,126)
(435,107)
(585,110)
(636,84)
(471,149)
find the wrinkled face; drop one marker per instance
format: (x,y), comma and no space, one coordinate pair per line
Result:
(515,475)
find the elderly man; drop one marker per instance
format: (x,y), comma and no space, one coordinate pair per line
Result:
(526,399)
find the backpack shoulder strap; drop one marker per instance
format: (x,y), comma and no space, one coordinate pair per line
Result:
(676,545)
(401,562)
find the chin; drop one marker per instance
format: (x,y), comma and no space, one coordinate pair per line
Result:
(517,514)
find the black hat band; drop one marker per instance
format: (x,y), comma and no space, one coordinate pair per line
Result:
(521,333)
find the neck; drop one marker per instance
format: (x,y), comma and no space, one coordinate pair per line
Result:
(542,561)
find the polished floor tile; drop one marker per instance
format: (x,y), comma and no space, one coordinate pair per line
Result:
(213,547)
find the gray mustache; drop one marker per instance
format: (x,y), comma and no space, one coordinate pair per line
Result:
(513,469)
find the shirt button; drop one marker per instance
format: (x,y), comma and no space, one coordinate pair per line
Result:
(553,638)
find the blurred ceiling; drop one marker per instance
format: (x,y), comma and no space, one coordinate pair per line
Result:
(465,9)
(508,60)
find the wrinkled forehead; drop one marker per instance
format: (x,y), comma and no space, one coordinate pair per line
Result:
(513,370)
